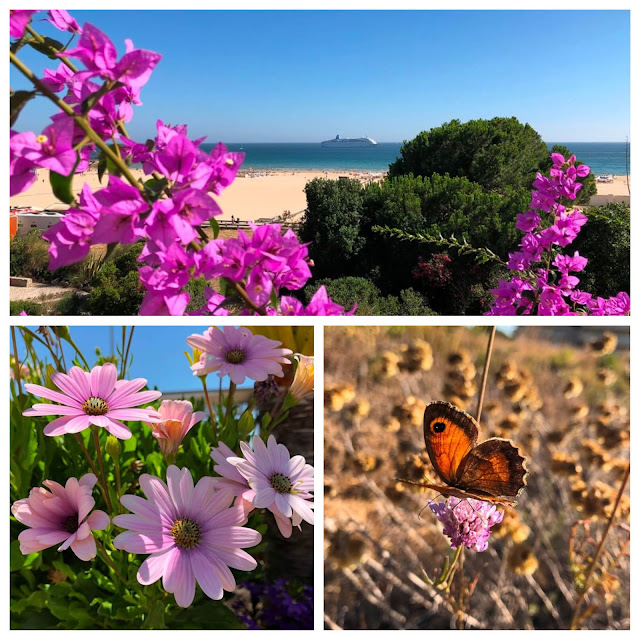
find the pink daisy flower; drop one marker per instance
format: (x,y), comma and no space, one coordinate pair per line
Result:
(282,484)
(237,353)
(191,533)
(62,514)
(93,398)
(177,419)
(232,480)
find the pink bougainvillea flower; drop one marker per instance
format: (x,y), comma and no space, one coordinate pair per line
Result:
(177,419)
(192,534)
(467,522)
(237,353)
(232,480)
(97,398)
(18,21)
(61,514)
(63,21)
(282,484)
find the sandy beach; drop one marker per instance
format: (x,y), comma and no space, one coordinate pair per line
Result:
(264,194)
(261,194)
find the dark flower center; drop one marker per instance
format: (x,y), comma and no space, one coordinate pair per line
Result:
(280,483)
(186,533)
(236,356)
(94,406)
(70,525)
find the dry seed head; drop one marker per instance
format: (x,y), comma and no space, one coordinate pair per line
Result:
(573,388)
(347,550)
(459,357)
(605,345)
(606,376)
(417,356)
(521,560)
(565,465)
(579,411)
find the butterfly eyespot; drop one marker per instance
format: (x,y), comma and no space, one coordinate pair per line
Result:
(438,427)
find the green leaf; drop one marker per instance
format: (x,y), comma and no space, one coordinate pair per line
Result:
(102,165)
(17,101)
(17,560)
(154,188)
(61,186)
(155,617)
(213,223)
(49,47)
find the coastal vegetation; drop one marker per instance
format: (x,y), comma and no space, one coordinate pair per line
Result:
(444,221)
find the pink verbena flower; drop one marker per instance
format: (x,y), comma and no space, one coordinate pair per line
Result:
(467,522)
(61,514)
(191,533)
(97,398)
(237,353)
(177,419)
(282,484)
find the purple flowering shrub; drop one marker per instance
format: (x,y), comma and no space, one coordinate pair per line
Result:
(543,282)
(134,511)
(95,92)
(277,605)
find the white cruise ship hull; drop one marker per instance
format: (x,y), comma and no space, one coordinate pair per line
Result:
(344,143)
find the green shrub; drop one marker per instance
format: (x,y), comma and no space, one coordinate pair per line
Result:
(31,308)
(371,302)
(496,154)
(606,241)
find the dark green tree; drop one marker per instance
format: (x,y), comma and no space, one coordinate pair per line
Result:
(332,224)
(606,241)
(496,154)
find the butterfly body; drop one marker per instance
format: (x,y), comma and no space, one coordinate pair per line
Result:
(492,471)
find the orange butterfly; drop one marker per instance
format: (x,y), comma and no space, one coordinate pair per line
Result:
(492,471)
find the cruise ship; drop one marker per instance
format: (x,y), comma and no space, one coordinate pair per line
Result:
(349,142)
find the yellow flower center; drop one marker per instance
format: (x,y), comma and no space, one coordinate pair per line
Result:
(186,533)
(235,356)
(280,483)
(41,139)
(94,406)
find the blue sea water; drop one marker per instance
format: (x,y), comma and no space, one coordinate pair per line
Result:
(602,157)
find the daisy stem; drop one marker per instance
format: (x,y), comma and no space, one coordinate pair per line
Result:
(125,356)
(16,361)
(109,561)
(207,399)
(227,413)
(116,462)
(96,442)
(91,464)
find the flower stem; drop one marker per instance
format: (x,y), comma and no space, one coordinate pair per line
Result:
(575,621)
(92,465)
(116,462)
(16,363)
(239,289)
(227,413)
(207,399)
(125,356)
(109,561)
(96,442)
(79,120)
(485,373)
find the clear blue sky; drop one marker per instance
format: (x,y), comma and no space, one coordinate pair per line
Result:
(302,76)
(158,354)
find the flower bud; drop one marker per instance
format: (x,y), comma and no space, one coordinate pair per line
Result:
(113,447)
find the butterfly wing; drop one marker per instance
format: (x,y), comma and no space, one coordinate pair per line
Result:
(494,467)
(449,434)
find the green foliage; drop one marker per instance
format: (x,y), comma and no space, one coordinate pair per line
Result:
(349,290)
(333,223)
(496,154)
(606,241)
(31,308)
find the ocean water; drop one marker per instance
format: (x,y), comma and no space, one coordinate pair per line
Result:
(602,157)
